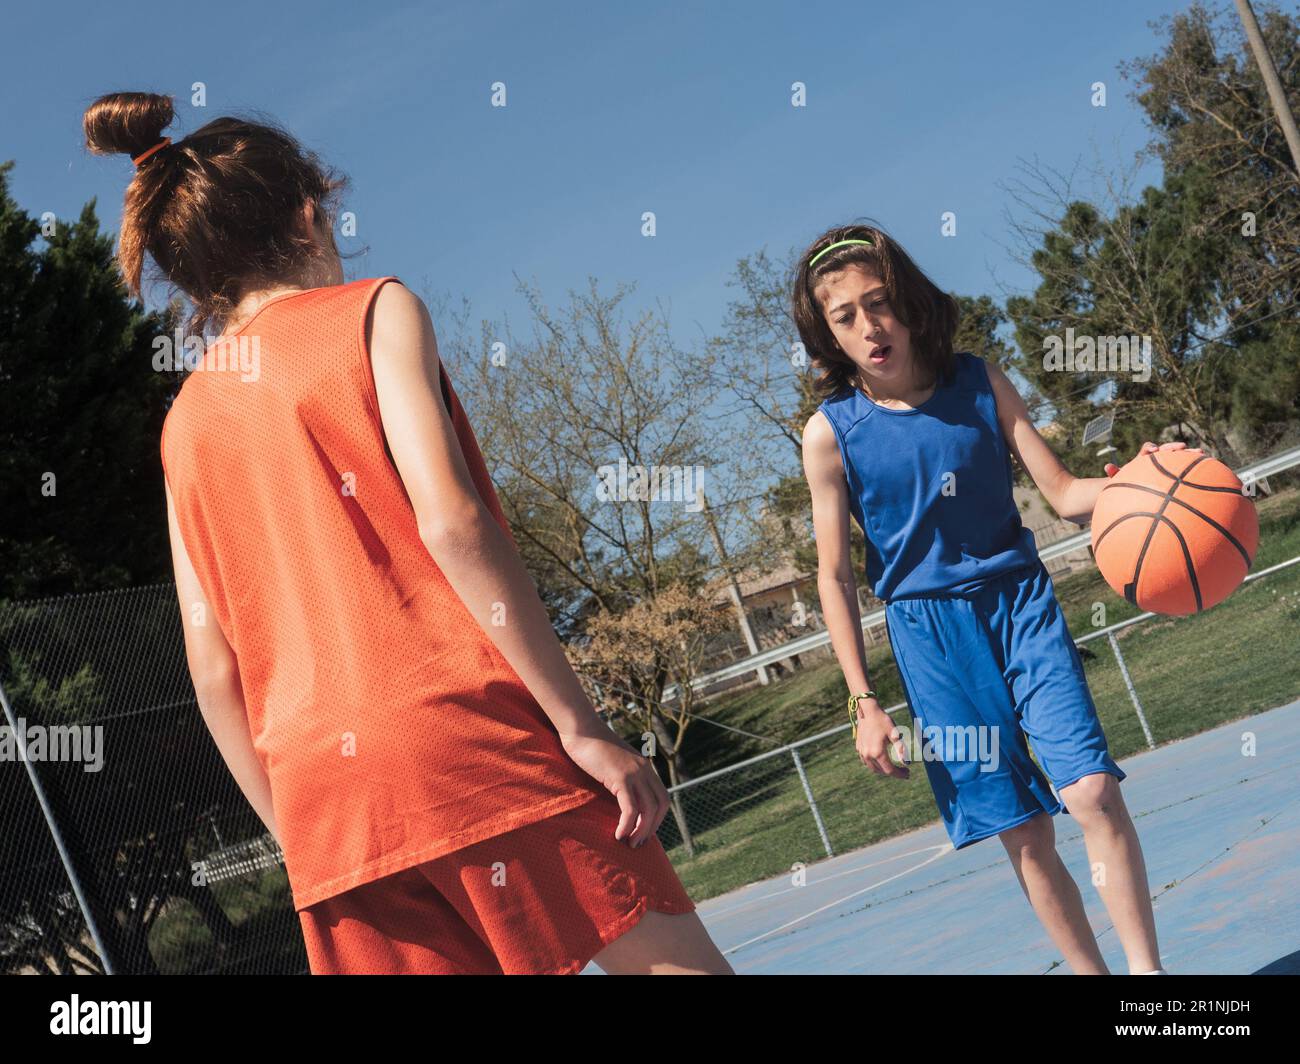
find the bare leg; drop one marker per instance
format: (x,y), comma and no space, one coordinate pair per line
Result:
(1053,893)
(1119,870)
(664,944)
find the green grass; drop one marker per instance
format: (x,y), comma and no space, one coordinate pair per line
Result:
(1190,673)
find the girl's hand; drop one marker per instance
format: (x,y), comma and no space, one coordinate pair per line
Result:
(627,775)
(1147,448)
(876,731)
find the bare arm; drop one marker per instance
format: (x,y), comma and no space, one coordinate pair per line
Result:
(215,674)
(1073,498)
(837,588)
(480,561)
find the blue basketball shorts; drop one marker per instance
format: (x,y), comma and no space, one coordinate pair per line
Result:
(986,673)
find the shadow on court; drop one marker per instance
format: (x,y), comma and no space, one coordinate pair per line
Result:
(1220,831)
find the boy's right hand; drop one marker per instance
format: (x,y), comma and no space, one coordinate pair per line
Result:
(876,733)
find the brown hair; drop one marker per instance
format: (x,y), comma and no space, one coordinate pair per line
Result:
(218,210)
(929,313)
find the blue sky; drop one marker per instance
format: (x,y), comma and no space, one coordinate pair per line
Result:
(613,109)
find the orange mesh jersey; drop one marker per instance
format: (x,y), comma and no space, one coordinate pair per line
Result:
(391,728)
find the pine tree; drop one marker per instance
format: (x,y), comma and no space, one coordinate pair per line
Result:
(81,412)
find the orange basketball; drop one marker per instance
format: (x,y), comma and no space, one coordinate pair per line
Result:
(1173,533)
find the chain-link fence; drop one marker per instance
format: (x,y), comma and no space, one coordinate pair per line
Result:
(127,845)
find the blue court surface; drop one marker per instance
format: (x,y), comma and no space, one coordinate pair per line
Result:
(1220,831)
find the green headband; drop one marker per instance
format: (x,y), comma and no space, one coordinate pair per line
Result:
(831,247)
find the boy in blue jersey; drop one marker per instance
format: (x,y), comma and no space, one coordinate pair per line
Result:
(914,441)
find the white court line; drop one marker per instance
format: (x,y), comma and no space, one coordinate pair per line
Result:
(946,848)
(745,903)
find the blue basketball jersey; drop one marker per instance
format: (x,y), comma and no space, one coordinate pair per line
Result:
(930,487)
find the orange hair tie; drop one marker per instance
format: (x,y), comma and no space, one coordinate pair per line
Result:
(144,155)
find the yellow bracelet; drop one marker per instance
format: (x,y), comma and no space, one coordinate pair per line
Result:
(853,710)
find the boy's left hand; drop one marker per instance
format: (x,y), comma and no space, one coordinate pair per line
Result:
(1147,448)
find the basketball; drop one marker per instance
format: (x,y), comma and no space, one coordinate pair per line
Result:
(1173,533)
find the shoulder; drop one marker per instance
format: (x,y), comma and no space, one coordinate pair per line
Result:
(967,370)
(397,320)
(178,411)
(997,378)
(179,433)
(821,446)
(1009,402)
(818,431)
(392,300)
(980,373)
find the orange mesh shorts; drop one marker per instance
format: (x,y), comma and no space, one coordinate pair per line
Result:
(543,899)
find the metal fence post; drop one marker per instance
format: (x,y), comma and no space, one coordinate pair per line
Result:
(1132,692)
(812,802)
(65,855)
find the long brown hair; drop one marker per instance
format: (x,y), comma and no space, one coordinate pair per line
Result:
(219,210)
(929,313)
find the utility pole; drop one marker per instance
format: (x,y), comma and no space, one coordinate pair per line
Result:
(1271,81)
(733,588)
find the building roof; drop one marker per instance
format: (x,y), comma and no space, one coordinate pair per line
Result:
(754,583)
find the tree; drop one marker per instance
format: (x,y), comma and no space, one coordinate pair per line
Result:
(81,412)
(1203,268)
(599,431)
(1209,110)
(626,660)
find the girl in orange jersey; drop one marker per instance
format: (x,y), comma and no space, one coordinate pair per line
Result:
(447,799)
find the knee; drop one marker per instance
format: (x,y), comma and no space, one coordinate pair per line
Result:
(1095,797)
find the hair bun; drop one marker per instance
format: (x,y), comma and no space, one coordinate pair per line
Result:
(130,122)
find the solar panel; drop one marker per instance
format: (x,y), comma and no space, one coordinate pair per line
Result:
(1098,428)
